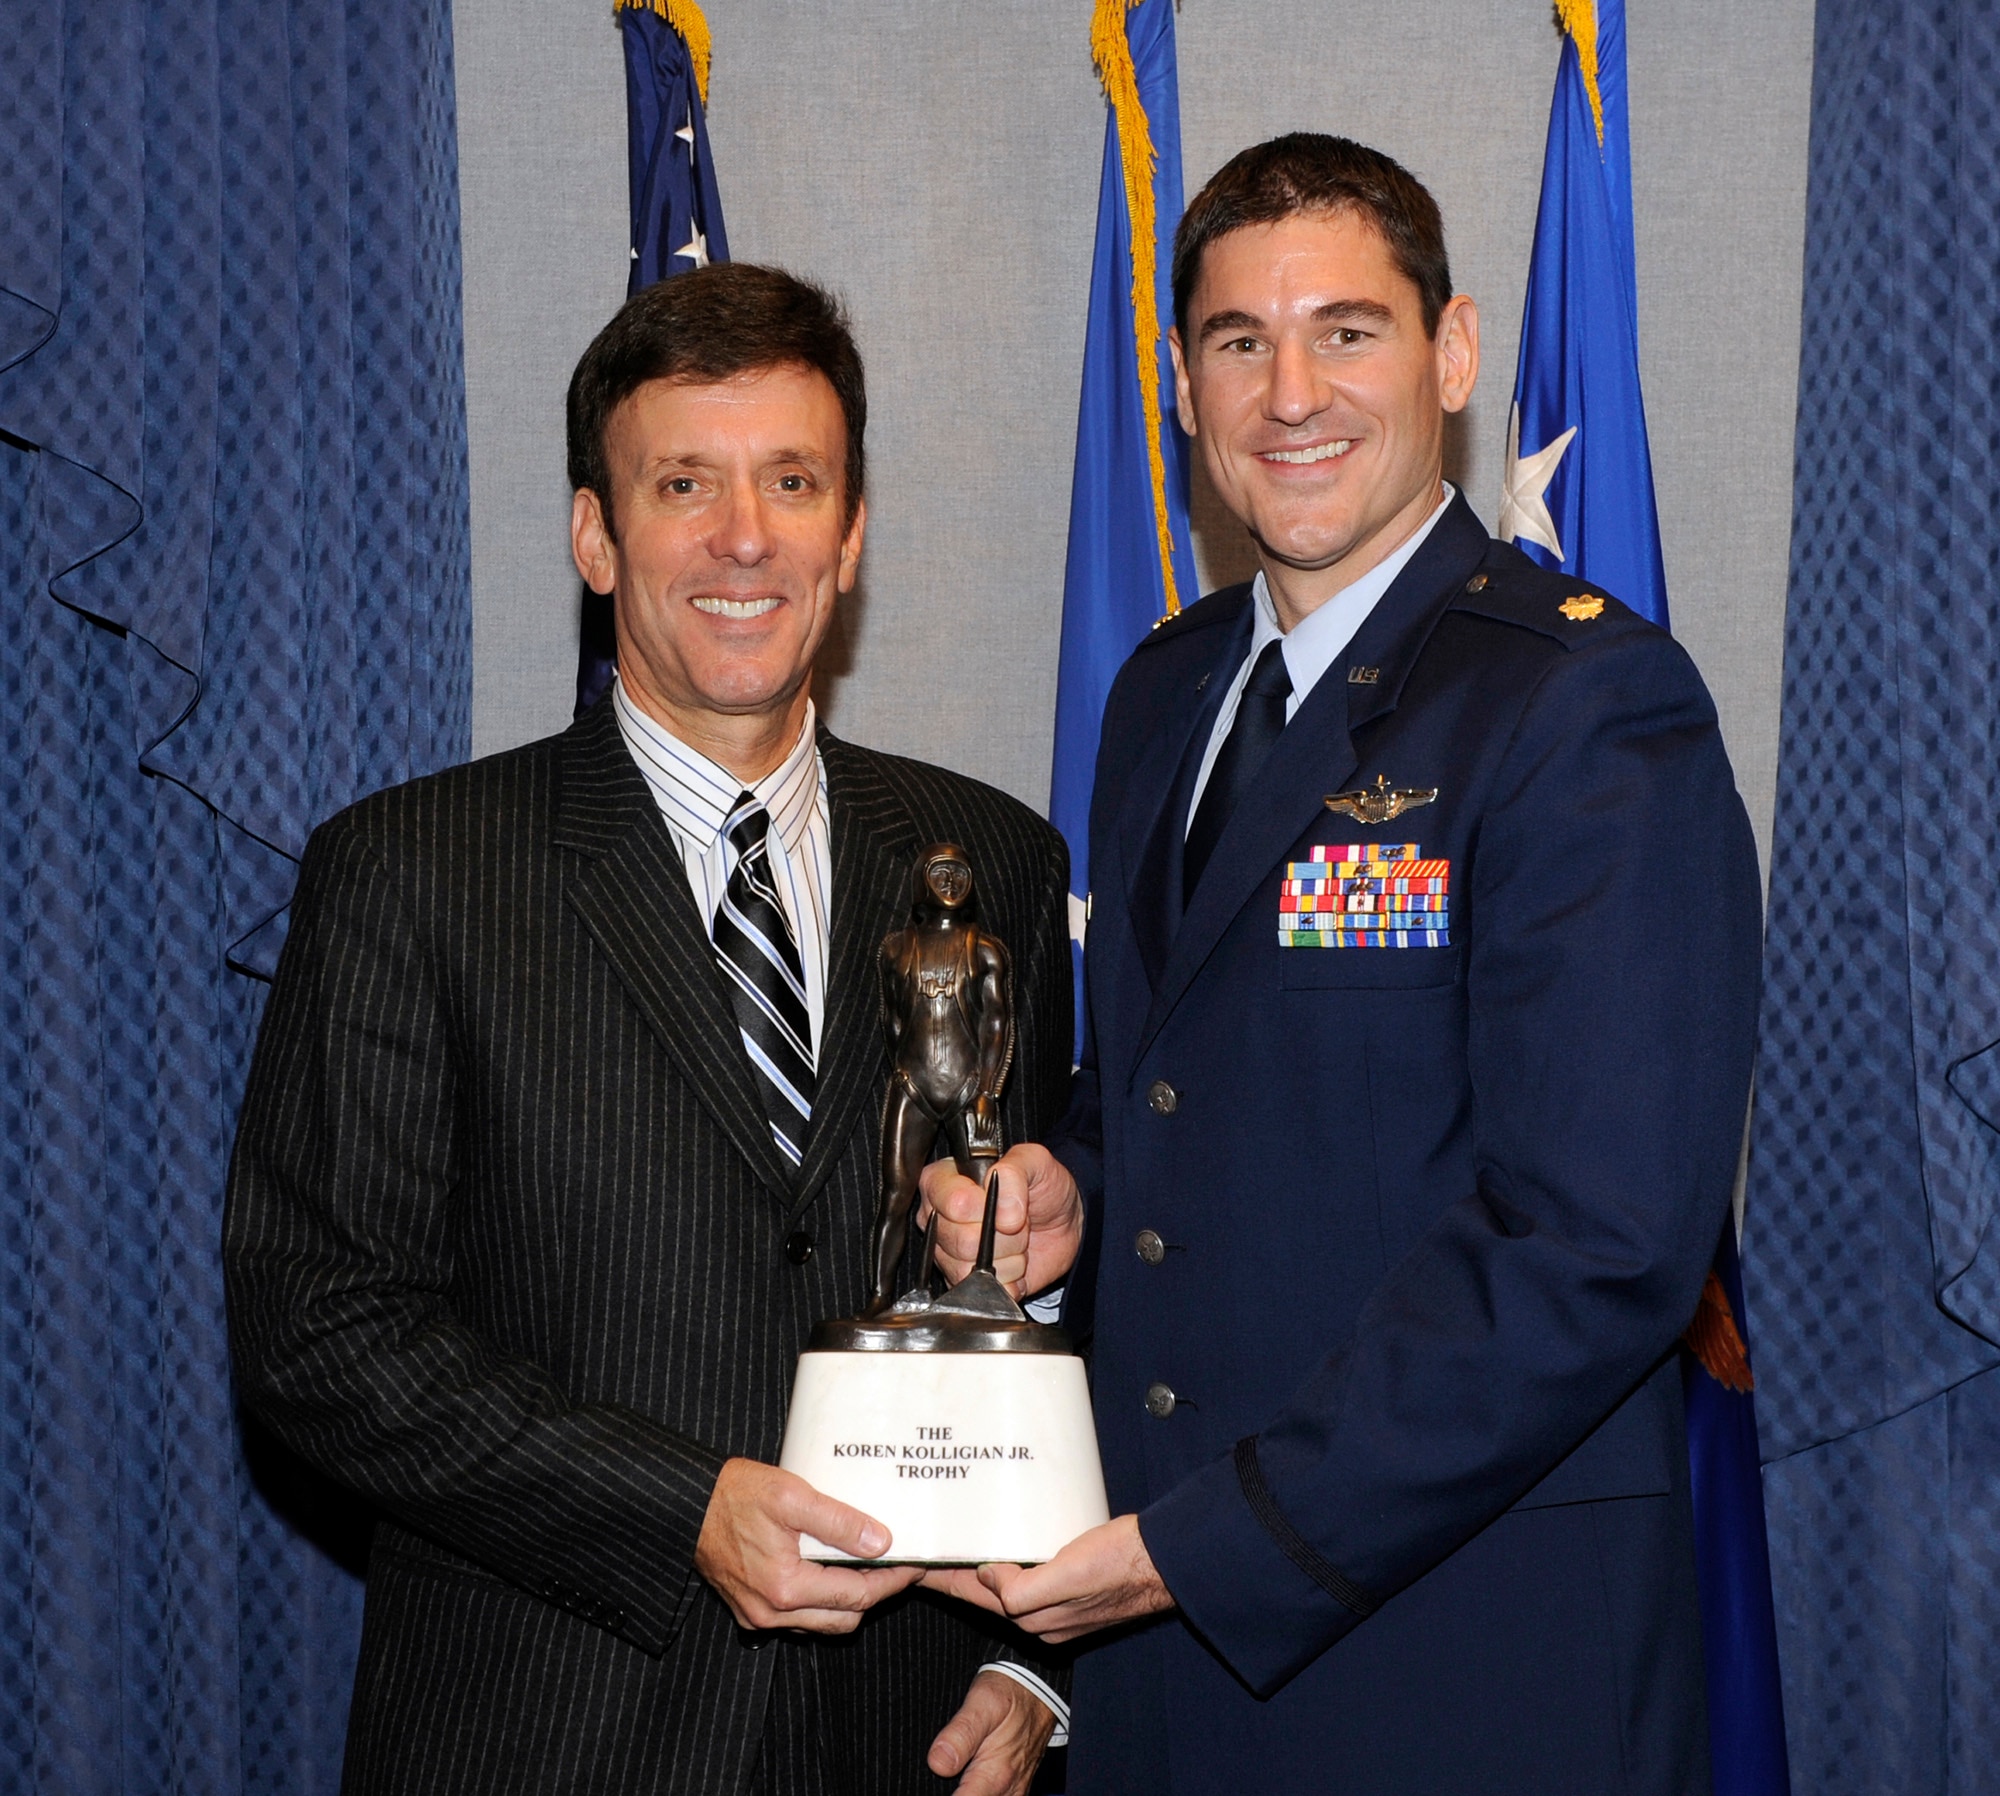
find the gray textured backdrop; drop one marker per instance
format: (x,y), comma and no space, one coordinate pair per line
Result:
(936,161)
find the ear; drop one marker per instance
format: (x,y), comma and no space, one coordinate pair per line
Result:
(1183,393)
(1458,352)
(590,542)
(850,548)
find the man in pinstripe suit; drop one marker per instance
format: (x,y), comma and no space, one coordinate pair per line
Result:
(561,1134)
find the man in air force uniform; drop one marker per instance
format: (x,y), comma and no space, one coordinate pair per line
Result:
(1421,975)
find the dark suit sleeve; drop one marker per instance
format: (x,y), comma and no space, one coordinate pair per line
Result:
(349,1160)
(1611,990)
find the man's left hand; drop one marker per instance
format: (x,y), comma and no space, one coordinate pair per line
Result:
(1098,1580)
(997,1738)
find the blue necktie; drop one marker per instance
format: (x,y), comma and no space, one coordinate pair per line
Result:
(1260,721)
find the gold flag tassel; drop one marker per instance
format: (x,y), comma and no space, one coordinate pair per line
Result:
(1713,1339)
(1113,56)
(688,19)
(1579,19)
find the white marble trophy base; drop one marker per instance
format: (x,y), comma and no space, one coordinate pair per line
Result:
(966,1458)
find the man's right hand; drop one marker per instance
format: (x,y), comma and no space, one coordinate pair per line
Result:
(749,1550)
(1040,1223)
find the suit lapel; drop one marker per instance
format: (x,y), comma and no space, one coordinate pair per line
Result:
(1315,755)
(872,838)
(632,895)
(1149,843)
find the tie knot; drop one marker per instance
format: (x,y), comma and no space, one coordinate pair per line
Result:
(746,823)
(1270,678)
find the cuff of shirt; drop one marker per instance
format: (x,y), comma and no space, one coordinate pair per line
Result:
(1036,1687)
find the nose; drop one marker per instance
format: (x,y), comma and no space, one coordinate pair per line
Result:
(1297,390)
(742,531)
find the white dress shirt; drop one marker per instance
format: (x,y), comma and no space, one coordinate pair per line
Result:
(695,797)
(1310,649)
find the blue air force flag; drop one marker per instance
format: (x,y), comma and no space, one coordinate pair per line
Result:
(1579,477)
(1130,561)
(1579,495)
(676,210)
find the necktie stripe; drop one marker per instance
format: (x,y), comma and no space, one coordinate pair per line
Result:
(762,1013)
(769,1047)
(782,1078)
(780,1029)
(756,948)
(760,939)
(758,879)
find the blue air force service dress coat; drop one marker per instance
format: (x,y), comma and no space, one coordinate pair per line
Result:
(1405,1150)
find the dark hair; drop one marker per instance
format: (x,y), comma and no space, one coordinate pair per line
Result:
(704,326)
(1309,172)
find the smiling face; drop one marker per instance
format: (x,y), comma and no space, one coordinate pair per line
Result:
(733,544)
(1318,398)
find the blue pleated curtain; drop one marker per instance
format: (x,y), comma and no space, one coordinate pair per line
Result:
(235,579)
(1871,1255)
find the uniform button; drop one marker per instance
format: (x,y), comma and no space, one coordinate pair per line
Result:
(1476,584)
(1149,1247)
(799,1247)
(1164,1099)
(1160,1400)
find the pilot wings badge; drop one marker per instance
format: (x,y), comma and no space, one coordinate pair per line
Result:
(1381,802)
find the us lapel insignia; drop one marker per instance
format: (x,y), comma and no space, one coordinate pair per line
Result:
(1381,802)
(1582,608)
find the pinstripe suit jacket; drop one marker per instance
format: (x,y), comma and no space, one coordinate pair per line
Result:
(504,1241)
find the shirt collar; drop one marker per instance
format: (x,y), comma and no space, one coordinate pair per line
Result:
(696,795)
(1311,647)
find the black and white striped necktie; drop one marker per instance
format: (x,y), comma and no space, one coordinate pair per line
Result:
(767,982)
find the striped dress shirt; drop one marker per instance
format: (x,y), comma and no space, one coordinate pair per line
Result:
(695,797)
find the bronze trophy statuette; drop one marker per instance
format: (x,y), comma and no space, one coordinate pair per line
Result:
(952,1418)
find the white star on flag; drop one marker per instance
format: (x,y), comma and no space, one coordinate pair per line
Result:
(686,134)
(697,253)
(1524,507)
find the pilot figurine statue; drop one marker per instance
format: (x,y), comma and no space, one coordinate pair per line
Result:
(948,1009)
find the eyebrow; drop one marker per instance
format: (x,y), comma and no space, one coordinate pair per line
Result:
(1217,322)
(1358,311)
(1362,311)
(694,458)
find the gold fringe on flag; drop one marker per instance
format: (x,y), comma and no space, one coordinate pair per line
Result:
(1579,19)
(1712,1337)
(1113,56)
(688,19)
